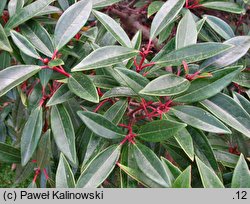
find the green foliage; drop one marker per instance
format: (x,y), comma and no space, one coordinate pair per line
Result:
(91,97)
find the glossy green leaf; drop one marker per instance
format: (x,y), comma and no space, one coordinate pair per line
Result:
(200,119)
(224,6)
(203,88)
(15,75)
(225,158)
(61,95)
(192,53)
(63,132)
(154,7)
(243,79)
(203,149)
(116,111)
(241,45)
(100,125)
(104,57)
(55,63)
(133,80)
(185,141)
(220,26)
(2,5)
(166,85)
(119,92)
(208,177)
(27,13)
(43,153)
(31,134)
(24,45)
(229,111)
(49,10)
(71,22)
(82,86)
(38,36)
(139,176)
(64,4)
(242,101)
(159,130)
(14,6)
(241,176)
(186,32)
(103,3)
(104,81)
(165,16)
(99,168)
(184,179)
(4,42)
(64,174)
(114,28)
(172,171)
(5,60)
(150,164)
(9,154)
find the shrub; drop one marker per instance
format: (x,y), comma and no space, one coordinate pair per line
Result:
(126,93)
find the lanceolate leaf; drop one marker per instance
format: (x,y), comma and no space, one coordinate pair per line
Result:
(15,75)
(104,57)
(203,149)
(208,177)
(71,22)
(243,79)
(185,141)
(186,31)
(99,168)
(31,134)
(9,154)
(116,111)
(165,16)
(100,125)
(150,164)
(133,80)
(166,85)
(220,26)
(201,89)
(230,112)
(63,131)
(241,45)
(114,28)
(172,171)
(184,180)
(62,94)
(103,3)
(119,92)
(27,13)
(224,6)
(14,6)
(160,130)
(154,7)
(242,101)
(200,119)
(43,153)
(139,176)
(64,174)
(24,45)
(81,85)
(39,37)
(241,176)
(4,42)
(192,53)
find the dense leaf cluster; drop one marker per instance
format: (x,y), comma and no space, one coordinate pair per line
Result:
(90,97)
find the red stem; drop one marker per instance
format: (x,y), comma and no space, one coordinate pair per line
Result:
(61,72)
